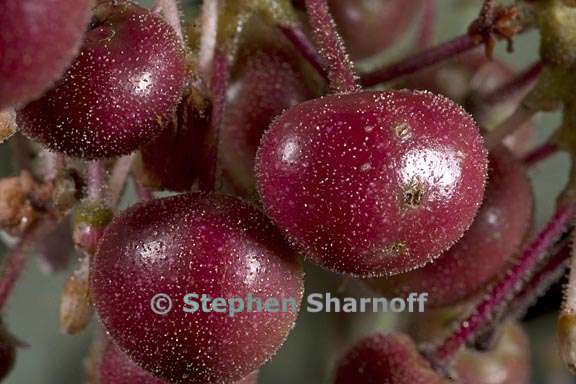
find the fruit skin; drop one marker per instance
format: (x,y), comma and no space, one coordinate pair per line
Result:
(129,74)
(373,183)
(370,26)
(194,243)
(487,248)
(38,40)
(385,358)
(268,80)
(117,368)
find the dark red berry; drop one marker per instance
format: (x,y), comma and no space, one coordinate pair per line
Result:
(486,249)
(128,76)
(373,183)
(194,243)
(370,26)
(38,40)
(385,358)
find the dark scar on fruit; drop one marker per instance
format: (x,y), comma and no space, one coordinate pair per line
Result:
(412,196)
(395,249)
(402,130)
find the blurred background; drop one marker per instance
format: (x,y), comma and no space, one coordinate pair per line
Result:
(54,358)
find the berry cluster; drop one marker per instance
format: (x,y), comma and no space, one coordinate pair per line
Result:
(252,115)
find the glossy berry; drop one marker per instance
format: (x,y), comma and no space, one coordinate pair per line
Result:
(128,76)
(486,249)
(38,40)
(370,26)
(374,183)
(172,160)
(268,81)
(385,358)
(194,243)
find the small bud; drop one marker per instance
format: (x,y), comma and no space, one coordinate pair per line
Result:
(567,338)
(7,125)
(90,220)
(76,306)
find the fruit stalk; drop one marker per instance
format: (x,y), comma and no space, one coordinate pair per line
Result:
(171,12)
(540,153)
(522,115)
(218,84)
(16,258)
(420,60)
(96,178)
(503,290)
(118,177)
(341,73)
(514,86)
(567,318)
(306,48)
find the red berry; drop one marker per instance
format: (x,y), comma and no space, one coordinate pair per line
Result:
(486,249)
(267,82)
(370,26)
(194,243)
(390,359)
(129,74)
(38,40)
(374,183)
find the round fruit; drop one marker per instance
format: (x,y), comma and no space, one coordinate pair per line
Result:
(486,249)
(204,245)
(268,80)
(128,76)
(373,183)
(386,358)
(38,40)
(370,26)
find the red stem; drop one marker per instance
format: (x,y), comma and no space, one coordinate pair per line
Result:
(427,26)
(420,60)
(96,179)
(306,48)
(504,289)
(540,153)
(341,72)
(218,84)
(16,259)
(143,193)
(515,85)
